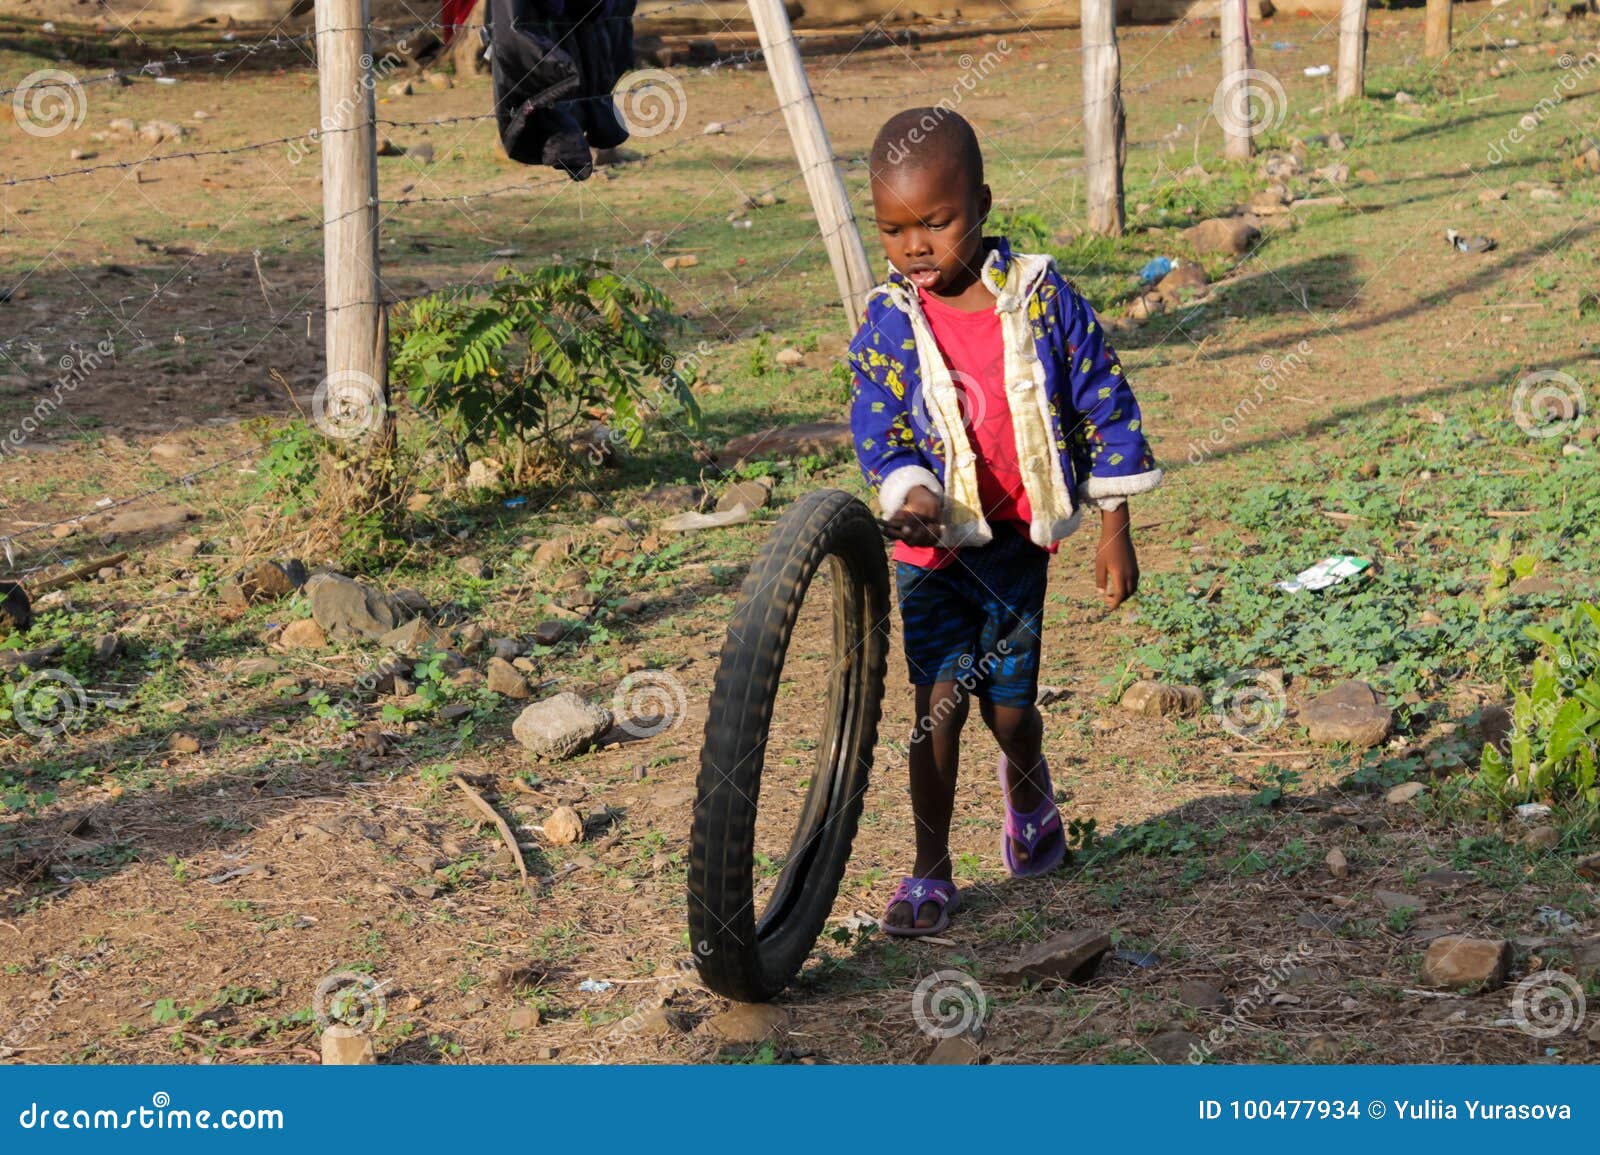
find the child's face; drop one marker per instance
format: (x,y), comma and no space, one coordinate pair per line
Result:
(930,221)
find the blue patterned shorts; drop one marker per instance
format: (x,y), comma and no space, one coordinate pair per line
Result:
(977,621)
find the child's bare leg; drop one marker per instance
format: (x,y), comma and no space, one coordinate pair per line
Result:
(935,753)
(1020,732)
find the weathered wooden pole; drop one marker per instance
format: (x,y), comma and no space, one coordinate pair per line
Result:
(1105,145)
(1234,98)
(813,150)
(1436,29)
(353,398)
(1352,50)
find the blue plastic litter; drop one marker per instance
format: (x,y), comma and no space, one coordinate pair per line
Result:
(1282,45)
(514,502)
(1155,270)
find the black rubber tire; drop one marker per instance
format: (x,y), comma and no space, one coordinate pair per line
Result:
(744,954)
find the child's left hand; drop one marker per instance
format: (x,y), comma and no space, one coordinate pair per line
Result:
(1116,567)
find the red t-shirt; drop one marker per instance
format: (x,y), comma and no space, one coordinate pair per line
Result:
(975,353)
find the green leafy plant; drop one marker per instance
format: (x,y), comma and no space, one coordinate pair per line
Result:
(523,363)
(1555,720)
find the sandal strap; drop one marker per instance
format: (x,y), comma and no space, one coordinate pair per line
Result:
(919,892)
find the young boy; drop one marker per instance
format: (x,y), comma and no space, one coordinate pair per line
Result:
(987,407)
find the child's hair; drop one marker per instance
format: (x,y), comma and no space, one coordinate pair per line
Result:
(921,138)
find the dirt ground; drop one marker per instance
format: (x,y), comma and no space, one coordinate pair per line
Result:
(169,904)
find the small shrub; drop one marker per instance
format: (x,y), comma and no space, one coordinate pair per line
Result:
(1550,755)
(527,361)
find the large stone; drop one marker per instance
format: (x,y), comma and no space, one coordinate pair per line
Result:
(344,1046)
(303,634)
(505,679)
(1173,1047)
(1158,700)
(1230,235)
(954,1051)
(1071,955)
(808,439)
(561,726)
(749,494)
(1350,714)
(349,609)
(745,1024)
(266,581)
(674,497)
(1185,281)
(1456,961)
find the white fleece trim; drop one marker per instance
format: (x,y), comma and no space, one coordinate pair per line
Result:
(1110,492)
(900,482)
(1044,534)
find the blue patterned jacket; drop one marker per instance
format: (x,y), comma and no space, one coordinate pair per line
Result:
(1078,428)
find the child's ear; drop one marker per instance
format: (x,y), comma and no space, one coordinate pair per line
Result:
(985,202)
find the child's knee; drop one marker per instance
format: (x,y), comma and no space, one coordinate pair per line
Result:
(941,711)
(1011,724)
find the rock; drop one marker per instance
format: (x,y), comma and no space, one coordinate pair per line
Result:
(1338,865)
(745,1024)
(808,439)
(1490,195)
(256,668)
(1184,281)
(1333,173)
(1323,1049)
(157,131)
(183,744)
(387,147)
(1589,867)
(1158,700)
(674,497)
(344,1046)
(107,648)
(552,633)
(790,357)
(439,80)
(560,726)
(749,494)
(400,88)
(1350,714)
(685,261)
(1231,236)
(1544,195)
(302,634)
(656,1023)
(1456,961)
(1404,793)
(954,1051)
(170,450)
(714,128)
(1318,923)
(1146,306)
(162,520)
(1071,955)
(414,638)
(1394,900)
(484,474)
(1336,142)
(1540,838)
(266,581)
(523,1019)
(473,567)
(1273,199)
(1173,1047)
(1203,996)
(551,552)
(506,680)
(692,522)
(1444,876)
(506,649)
(349,609)
(620,526)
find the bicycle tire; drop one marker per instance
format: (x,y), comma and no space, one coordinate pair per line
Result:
(742,954)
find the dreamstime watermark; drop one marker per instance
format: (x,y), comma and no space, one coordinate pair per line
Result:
(649,702)
(650,102)
(348,405)
(75,975)
(948,1003)
(373,73)
(1548,1003)
(1250,704)
(49,102)
(1277,972)
(349,999)
(1273,373)
(1251,101)
(75,370)
(1573,73)
(1548,403)
(972,402)
(971,674)
(974,70)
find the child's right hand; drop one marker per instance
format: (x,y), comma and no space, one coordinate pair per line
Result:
(918,519)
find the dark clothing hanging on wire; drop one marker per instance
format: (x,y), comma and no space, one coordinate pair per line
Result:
(554,64)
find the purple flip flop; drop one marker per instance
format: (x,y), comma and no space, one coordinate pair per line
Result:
(1031,829)
(919,892)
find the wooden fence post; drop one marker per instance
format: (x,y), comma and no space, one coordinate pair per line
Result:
(1105,145)
(1436,29)
(353,400)
(815,153)
(1234,98)
(1352,50)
